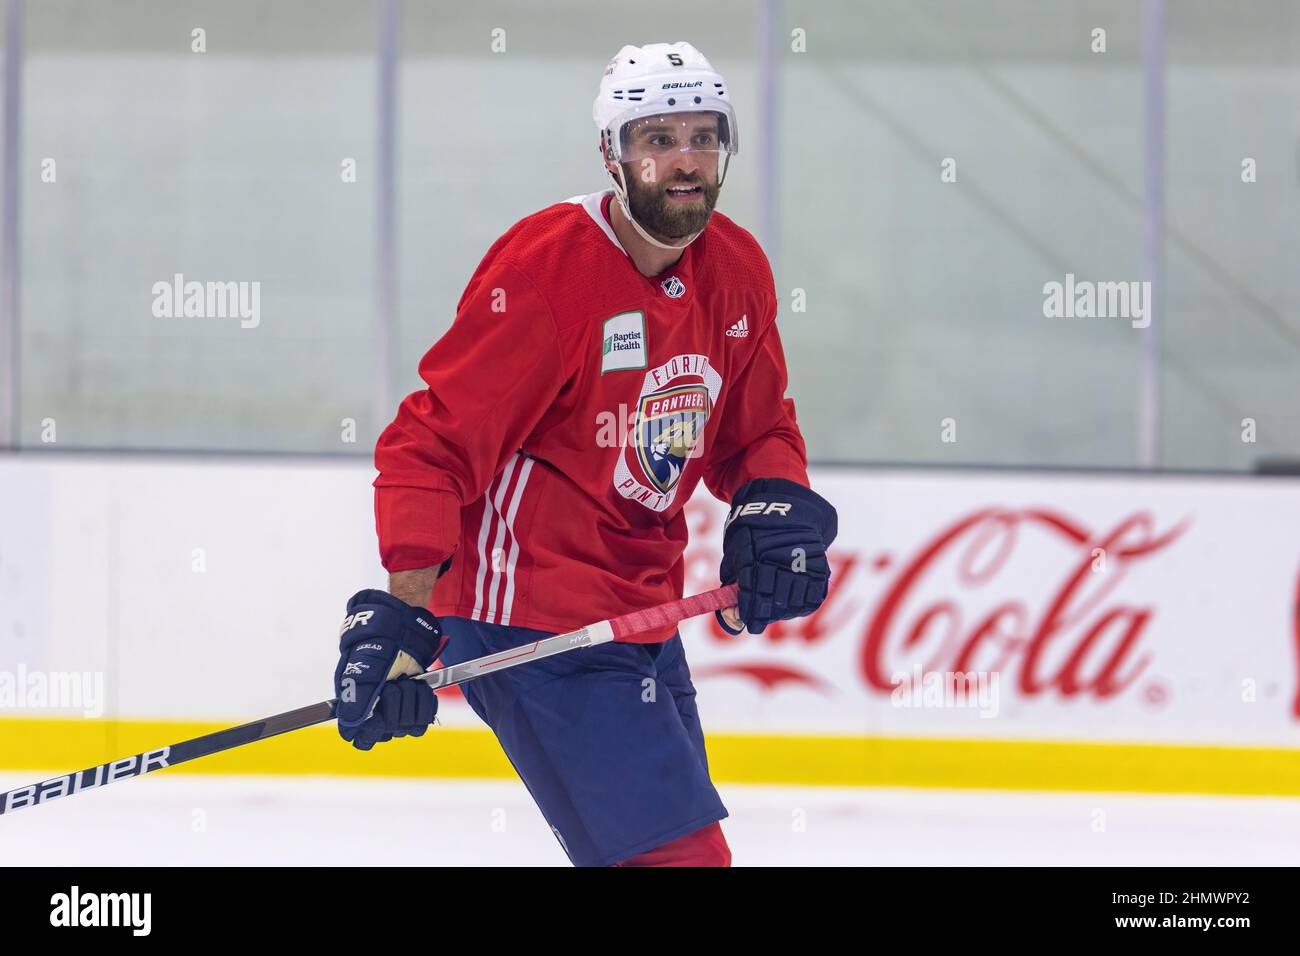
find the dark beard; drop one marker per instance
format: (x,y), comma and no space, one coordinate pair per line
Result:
(659,215)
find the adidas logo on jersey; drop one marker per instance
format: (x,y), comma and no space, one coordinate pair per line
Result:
(740,330)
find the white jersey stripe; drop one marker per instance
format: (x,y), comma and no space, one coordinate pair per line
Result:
(486,545)
(492,593)
(482,544)
(508,601)
(498,536)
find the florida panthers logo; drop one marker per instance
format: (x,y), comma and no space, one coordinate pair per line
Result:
(668,423)
(676,400)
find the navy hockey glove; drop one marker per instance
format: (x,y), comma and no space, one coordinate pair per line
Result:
(775,546)
(382,642)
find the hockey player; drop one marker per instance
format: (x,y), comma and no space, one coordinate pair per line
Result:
(609,353)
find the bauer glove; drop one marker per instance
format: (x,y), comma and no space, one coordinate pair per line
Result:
(383,642)
(774,547)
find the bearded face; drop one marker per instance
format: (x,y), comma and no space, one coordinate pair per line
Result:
(675,208)
(671,166)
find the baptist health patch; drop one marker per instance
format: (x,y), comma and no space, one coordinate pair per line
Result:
(623,342)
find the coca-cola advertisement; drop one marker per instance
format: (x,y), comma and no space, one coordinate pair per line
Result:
(1004,605)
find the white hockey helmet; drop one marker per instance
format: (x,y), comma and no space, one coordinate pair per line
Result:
(659,79)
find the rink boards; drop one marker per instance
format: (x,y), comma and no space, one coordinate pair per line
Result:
(1039,630)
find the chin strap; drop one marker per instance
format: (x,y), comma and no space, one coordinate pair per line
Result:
(620,191)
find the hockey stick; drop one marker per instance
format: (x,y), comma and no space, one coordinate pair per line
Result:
(615,629)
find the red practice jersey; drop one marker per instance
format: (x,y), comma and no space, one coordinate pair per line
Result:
(571,409)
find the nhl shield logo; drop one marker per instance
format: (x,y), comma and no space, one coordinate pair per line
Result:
(673,287)
(668,424)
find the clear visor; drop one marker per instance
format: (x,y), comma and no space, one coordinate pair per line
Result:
(701,139)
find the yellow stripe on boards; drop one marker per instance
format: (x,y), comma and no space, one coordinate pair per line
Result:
(68,745)
(1006,764)
(64,745)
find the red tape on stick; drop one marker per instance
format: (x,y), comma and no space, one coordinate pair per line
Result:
(665,615)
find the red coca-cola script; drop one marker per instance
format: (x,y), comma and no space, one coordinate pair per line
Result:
(1029,593)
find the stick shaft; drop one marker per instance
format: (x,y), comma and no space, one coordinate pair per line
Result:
(614,629)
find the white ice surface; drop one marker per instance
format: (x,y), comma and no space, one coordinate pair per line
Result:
(324,821)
